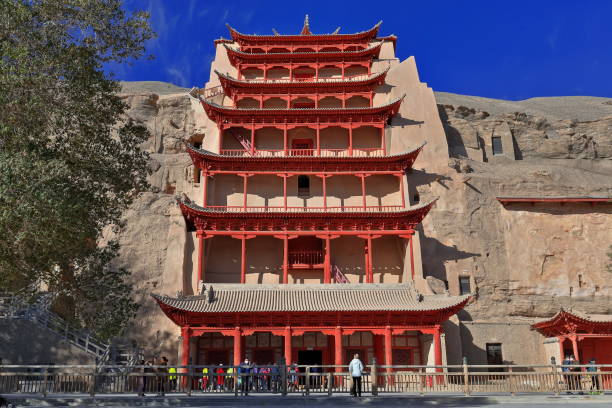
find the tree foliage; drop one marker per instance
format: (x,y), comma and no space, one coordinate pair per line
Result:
(70,161)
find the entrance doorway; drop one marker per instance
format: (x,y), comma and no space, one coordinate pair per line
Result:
(263,356)
(310,357)
(216,357)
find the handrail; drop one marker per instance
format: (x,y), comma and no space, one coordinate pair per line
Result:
(355,152)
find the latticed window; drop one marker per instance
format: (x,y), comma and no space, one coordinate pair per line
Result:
(464,285)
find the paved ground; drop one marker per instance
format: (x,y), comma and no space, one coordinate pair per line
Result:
(484,401)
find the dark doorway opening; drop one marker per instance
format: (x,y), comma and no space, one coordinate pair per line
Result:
(310,357)
(263,356)
(216,357)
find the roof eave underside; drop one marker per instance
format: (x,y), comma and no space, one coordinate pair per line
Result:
(369,52)
(553,324)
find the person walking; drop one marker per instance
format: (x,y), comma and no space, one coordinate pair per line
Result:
(162,378)
(172,379)
(356,371)
(220,378)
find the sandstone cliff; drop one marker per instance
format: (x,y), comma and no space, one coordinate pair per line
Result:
(523,261)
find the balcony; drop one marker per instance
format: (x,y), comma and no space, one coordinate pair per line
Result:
(306,259)
(343,209)
(355,152)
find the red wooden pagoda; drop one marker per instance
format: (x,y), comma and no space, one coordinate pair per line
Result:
(299,174)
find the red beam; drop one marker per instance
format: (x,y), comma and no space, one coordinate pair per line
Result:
(311,233)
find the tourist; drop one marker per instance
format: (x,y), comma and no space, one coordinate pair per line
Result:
(172,379)
(592,368)
(162,377)
(275,378)
(149,379)
(205,383)
(245,376)
(293,377)
(565,368)
(356,370)
(220,378)
(229,380)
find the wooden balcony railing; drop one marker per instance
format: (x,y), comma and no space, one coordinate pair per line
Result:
(306,257)
(356,152)
(347,208)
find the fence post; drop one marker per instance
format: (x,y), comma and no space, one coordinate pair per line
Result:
(555,379)
(189,380)
(283,373)
(466,377)
(92,390)
(511,382)
(45,372)
(307,380)
(330,386)
(374,378)
(236,378)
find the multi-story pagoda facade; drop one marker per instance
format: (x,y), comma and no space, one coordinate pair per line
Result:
(304,230)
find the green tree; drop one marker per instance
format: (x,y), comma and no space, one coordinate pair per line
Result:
(70,160)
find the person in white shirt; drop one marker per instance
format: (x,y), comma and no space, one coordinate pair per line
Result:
(356,370)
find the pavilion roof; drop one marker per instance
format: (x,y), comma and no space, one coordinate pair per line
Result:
(236,298)
(216,111)
(303,37)
(574,322)
(402,160)
(359,82)
(237,56)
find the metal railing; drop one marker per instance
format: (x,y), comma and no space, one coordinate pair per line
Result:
(283,380)
(356,152)
(264,209)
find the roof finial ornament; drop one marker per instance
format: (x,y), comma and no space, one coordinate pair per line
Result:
(336,31)
(306,28)
(275,32)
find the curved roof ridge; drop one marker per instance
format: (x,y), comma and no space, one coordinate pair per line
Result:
(365,109)
(191,204)
(374,29)
(260,54)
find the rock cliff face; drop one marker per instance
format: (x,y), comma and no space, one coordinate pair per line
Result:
(523,261)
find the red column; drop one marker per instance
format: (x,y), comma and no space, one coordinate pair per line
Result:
(205,188)
(288,356)
(244,192)
(388,348)
(411,256)
(285,190)
(370,273)
(200,235)
(338,348)
(561,350)
(324,179)
(437,350)
(327,266)
(363,194)
(401,188)
(318,139)
(574,341)
(285,259)
(285,140)
(252,140)
(237,346)
(383,142)
(243,260)
(350,147)
(186,334)
(261,101)
(366,260)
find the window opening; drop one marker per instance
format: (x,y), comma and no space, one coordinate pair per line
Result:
(497,145)
(416,198)
(303,186)
(494,356)
(464,285)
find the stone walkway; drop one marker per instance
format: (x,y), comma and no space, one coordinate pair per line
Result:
(387,400)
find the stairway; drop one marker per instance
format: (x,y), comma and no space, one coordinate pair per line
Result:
(339,277)
(243,140)
(13,307)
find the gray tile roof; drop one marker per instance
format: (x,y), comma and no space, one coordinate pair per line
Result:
(220,298)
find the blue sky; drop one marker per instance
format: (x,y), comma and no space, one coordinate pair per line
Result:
(499,49)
